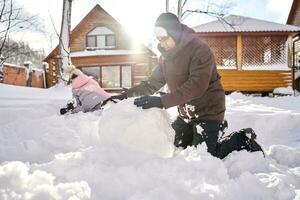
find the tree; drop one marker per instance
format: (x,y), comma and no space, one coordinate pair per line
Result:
(64,38)
(13,19)
(208,7)
(18,52)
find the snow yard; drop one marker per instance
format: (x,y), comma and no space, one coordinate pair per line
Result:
(124,152)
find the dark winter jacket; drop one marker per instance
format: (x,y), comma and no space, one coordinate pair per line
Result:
(189,70)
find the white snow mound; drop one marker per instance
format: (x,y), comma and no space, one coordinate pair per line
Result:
(145,130)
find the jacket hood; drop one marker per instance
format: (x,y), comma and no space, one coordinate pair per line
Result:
(187,36)
(80,81)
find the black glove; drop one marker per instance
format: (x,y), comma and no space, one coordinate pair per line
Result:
(148,102)
(107,100)
(121,96)
(70,106)
(63,111)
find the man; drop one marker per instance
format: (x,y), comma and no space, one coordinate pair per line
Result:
(188,67)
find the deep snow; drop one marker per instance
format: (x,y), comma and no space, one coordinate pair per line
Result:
(124,152)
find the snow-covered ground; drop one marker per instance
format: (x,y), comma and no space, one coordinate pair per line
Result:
(124,152)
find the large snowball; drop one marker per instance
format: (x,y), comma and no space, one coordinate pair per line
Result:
(147,130)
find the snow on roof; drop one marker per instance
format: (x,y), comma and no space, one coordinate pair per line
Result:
(13,65)
(27,63)
(236,23)
(104,52)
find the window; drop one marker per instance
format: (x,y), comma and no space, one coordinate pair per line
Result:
(112,77)
(110,40)
(126,76)
(101,38)
(91,41)
(92,71)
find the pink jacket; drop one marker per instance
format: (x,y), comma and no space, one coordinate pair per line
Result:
(87,93)
(83,82)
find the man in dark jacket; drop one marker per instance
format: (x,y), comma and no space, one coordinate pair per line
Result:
(188,67)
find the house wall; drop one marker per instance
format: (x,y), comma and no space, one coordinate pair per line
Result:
(52,68)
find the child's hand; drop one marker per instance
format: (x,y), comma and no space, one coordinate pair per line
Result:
(70,106)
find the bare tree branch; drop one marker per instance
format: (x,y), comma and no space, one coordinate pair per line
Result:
(13,20)
(2,10)
(183,4)
(7,29)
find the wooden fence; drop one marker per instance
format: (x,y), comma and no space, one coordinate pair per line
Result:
(21,76)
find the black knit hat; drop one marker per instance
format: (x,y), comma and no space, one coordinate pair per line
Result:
(171,24)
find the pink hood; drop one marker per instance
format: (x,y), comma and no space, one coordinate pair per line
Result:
(83,82)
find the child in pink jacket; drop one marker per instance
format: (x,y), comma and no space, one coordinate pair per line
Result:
(88,94)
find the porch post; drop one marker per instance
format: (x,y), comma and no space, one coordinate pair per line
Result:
(289,49)
(239,48)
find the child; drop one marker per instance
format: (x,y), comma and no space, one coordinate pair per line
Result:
(88,94)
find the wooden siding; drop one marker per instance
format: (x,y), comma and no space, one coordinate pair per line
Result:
(294,15)
(254,80)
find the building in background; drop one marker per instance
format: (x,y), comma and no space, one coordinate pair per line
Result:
(101,48)
(294,19)
(252,55)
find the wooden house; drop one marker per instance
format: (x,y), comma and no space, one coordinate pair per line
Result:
(294,19)
(252,55)
(101,48)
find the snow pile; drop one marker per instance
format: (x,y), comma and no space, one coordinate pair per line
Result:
(147,130)
(124,152)
(16,182)
(285,155)
(284,90)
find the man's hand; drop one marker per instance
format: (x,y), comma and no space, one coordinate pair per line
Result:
(148,102)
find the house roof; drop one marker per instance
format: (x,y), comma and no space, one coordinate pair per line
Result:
(236,23)
(96,8)
(292,11)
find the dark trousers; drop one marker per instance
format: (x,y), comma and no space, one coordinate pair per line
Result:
(196,132)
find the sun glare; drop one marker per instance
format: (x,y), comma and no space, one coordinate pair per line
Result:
(139,19)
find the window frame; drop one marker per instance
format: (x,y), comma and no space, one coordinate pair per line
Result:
(96,40)
(120,73)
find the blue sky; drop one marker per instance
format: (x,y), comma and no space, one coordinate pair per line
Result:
(138,16)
